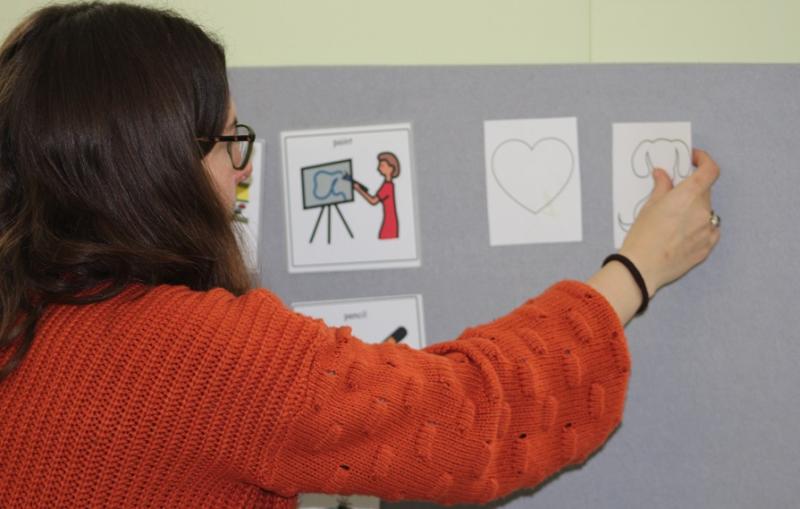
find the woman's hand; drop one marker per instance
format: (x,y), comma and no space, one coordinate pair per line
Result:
(672,232)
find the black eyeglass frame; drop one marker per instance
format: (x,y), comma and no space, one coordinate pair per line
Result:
(250,137)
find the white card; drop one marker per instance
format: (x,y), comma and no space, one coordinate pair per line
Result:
(533,181)
(372,319)
(330,225)
(638,148)
(248,208)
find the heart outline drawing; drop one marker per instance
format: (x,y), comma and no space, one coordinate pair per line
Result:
(532,148)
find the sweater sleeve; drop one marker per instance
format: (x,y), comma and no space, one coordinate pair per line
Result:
(504,406)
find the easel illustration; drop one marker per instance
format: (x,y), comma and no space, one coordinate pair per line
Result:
(325,186)
(319,218)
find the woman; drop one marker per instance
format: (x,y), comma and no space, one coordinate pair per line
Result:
(389,168)
(139,367)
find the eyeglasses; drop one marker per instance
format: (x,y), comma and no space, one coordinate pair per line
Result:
(239,145)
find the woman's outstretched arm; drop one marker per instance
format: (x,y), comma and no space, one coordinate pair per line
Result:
(294,406)
(282,401)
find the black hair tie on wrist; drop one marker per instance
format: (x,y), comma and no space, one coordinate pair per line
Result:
(637,276)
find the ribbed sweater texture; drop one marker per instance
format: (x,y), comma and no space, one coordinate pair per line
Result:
(168,397)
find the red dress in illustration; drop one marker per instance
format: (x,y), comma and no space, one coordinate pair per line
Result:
(389,168)
(389,225)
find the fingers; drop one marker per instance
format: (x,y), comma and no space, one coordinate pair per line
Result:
(704,235)
(706,197)
(699,157)
(713,239)
(715,235)
(706,174)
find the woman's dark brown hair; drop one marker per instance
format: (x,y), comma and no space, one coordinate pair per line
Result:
(101,176)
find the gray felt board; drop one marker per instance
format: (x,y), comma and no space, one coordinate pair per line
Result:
(712,410)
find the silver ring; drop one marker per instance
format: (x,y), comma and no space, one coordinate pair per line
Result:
(715,219)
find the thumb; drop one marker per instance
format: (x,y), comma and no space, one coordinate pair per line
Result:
(663,184)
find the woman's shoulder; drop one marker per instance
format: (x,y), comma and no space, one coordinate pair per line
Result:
(138,290)
(149,306)
(176,296)
(168,319)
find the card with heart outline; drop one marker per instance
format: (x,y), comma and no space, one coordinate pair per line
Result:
(533,186)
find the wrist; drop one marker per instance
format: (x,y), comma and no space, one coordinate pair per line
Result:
(615,283)
(648,274)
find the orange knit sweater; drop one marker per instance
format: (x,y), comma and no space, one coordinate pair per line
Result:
(178,398)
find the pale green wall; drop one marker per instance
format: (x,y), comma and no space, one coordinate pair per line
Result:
(352,32)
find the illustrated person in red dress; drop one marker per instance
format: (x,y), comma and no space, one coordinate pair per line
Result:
(389,167)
